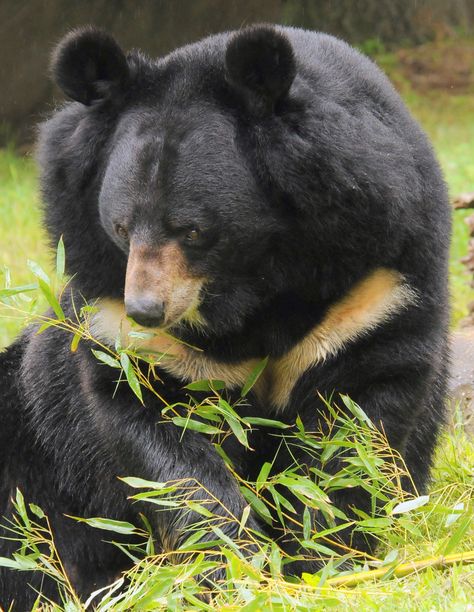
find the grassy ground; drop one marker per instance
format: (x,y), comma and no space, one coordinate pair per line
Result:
(21,235)
(449,123)
(447,117)
(448,120)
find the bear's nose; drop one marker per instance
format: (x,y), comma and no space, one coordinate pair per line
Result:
(145,311)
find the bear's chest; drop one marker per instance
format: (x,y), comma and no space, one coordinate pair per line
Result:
(369,304)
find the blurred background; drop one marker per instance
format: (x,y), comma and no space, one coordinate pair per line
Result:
(30,28)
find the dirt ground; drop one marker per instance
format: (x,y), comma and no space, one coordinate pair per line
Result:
(462,375)
(446,65)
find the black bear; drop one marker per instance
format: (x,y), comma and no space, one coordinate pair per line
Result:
(259,194)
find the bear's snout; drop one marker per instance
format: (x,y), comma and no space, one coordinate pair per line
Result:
(160,289)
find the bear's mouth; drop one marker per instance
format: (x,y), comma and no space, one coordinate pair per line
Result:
(110,321)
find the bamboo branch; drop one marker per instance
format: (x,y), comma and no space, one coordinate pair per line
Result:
(401,570)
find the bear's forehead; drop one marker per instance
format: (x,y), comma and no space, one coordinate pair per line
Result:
(150,147)
(172,165)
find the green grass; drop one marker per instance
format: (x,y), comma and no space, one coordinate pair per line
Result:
(448,120)
(21,234)
(424,534)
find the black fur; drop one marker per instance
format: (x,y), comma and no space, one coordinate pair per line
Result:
(89,66)
(260,63)
(299,163)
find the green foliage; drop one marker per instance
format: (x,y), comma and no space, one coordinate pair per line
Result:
(372,47)
(413,534)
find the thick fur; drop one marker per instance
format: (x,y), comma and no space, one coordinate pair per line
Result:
(322,240)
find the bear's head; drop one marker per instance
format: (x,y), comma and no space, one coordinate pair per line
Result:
(223,181)
(155,178)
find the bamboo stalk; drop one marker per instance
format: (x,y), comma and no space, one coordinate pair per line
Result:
(401,570)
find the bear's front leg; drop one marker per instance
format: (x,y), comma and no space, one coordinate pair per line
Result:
(396,402)
(92,432)
(139,443)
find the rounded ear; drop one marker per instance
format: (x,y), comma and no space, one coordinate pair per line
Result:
(89,66)
(260,64)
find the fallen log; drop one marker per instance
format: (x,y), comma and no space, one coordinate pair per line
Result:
(466,201)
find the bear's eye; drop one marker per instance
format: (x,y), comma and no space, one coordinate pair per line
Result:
(121,231)
(192,235)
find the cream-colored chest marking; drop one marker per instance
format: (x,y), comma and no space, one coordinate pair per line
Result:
(367,305)
(185,363)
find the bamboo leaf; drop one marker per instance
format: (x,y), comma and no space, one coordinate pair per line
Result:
(107,524)
(224,456)
(199,509)
(379,523)
(130,375)
(244,519)
(254,376)
(411,504)
(75,342)
(10,563)
(306,523)
(265,422)
(195,537)
(263,474)
(38,271)
(25,562)
(5,293)
(275,560)
(106,358)
(166,502)
(356,410)
(21,508)
(206,385)
(37,511)
(238,431)
(156,493)
(140,483)
(199,426)
(453,517)
(463,526)
(225,538)
(44,327)
(60,260)
(51,299)
(257,504)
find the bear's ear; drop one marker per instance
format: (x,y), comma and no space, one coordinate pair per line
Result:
(260,64)
(89,66)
